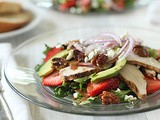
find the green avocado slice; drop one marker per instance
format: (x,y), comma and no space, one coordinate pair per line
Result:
(46,68)
(109,72)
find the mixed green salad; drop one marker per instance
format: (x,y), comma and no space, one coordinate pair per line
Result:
(104,69)
(84,6)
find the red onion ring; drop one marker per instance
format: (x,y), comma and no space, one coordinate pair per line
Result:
(119,52)
(102,38)
(130,47)
(101,41)
(78,47)
(115,37)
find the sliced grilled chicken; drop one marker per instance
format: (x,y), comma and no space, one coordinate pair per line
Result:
(133,77)
(147,62)
(81,71)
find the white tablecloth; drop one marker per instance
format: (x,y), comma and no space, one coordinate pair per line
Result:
(53,20)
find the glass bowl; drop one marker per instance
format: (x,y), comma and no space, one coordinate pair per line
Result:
(21,77)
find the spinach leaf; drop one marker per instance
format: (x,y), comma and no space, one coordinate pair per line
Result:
(37,67)
(153,53)
(62,91)
(129,3)
(83,80)
(122,86)
(121,94)
(91,100)
(47,49)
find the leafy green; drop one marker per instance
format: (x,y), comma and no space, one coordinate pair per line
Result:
(83,80)
(74,85)
(129,3)
(122,86)
(62,91)
(37,67)
(47,49)
(91,100)
(153,53)
(121,94)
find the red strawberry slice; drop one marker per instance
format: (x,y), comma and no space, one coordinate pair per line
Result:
(52,52)
(94,89)
(67,5)
(119,5)
(153,85)
(52,79)
(85,2)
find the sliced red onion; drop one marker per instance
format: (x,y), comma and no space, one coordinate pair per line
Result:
(78,47)
(115,37)
(119,52)
(101,41)
(89,40)
(103,38)
(112,45)
(91,48)
(130,47)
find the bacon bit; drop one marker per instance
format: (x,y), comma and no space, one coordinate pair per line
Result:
(109,98)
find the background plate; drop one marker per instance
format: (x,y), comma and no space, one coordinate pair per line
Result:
(37,17)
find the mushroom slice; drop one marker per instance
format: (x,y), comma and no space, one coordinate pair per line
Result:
(133,77)
(147,62)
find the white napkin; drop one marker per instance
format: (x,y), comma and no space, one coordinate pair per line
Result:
(18,106)
(154,12)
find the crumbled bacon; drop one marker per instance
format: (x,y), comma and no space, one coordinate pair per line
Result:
(109,98)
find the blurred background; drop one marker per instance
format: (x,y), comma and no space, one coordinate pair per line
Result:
(55,14)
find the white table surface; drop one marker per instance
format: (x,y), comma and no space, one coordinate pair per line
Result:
(53,20)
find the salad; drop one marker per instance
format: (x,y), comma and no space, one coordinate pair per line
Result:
(84,6)
(103,69)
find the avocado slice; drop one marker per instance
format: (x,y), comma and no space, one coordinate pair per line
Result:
(109,72)
(46,68)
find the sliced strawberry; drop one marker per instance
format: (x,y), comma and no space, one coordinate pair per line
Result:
(85,2)
(94,89)
(67,5)
(120,4)
(52,79)
(153,85)
(51,53)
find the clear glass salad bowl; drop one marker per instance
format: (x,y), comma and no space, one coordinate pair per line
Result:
(21,76)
